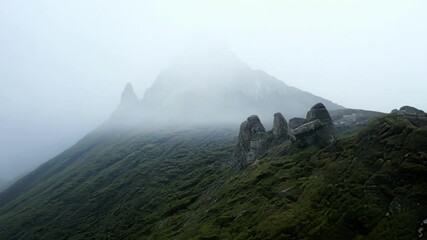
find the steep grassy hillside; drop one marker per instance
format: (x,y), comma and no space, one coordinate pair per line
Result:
(178,185)
(115,182)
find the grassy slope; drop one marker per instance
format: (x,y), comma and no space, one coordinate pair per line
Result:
(114,182)
(178,185)
(341,192)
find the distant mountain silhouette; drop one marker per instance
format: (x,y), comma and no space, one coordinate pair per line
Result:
(214,86)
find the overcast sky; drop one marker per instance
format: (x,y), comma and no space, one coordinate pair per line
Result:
(63,64)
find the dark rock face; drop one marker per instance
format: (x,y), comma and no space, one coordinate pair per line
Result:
(281,131)
(252,142)
(320,112)
(318,129)
(296,122)
(255,124)
(280,126)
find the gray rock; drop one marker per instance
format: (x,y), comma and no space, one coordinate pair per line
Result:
(280,126)
(318,129)
(411,111)
(308,128)
(252,142)
(255,124)
(296,122)
(280,129)
(320,112)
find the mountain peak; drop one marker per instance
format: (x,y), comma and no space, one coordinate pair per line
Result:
(128,94)
(128,103)
(129,98)
(213,83)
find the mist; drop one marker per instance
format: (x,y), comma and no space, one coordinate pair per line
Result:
(64,64)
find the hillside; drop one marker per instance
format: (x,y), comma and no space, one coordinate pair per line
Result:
(178,184)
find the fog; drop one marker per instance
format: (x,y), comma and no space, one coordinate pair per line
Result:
(64,64)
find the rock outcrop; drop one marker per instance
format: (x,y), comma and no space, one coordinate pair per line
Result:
(411,111)
(318,129)
(252,142)
(416,116)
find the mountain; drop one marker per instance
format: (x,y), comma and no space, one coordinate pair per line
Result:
(179,184)
(175,165)
(211,86)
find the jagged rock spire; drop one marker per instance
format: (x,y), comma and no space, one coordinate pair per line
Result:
(128,95)
(128,109)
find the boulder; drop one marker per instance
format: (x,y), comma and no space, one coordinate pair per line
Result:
(252,142)
(318,129)
(296,122)
(308,128)
(320,112)
(280,128)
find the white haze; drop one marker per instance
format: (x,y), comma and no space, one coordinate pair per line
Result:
(63,64)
